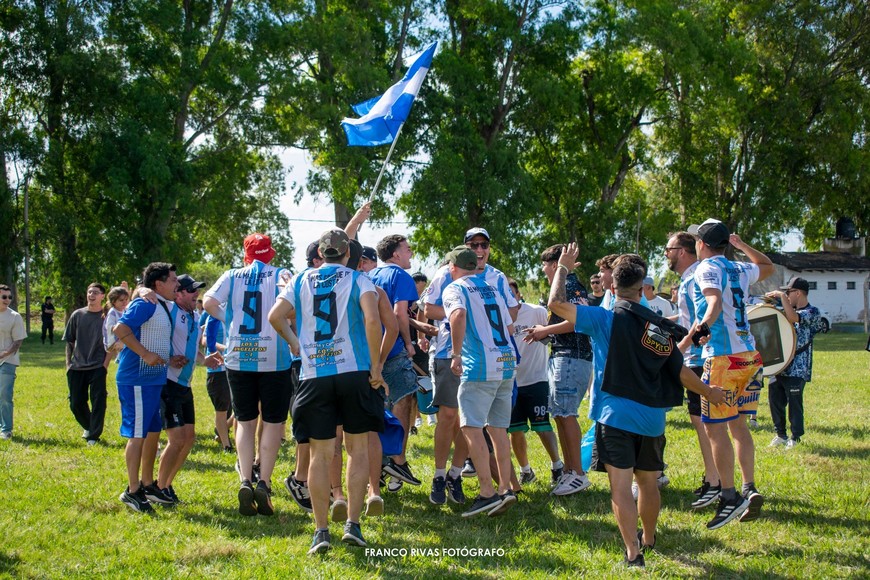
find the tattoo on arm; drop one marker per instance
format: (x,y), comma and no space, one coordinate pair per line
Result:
(557,290)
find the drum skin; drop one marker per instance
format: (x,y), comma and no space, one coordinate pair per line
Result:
(775,337)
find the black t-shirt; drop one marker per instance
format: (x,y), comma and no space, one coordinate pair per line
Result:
(47,312)
(571,344)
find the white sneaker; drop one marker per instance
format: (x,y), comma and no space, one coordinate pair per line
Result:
(777,442)
(418,423)
(634,490)
(791,444)
(431,420)
(663,481)
(570,483)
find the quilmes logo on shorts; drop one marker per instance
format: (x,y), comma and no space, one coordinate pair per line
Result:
(656,340)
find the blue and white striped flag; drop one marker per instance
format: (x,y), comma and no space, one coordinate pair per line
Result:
(383,116)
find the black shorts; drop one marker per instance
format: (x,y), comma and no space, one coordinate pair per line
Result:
(694,399)
(346,399)
(625,450)
(252,391)
(218,391)
(176,405)
(531,407)
(295,368)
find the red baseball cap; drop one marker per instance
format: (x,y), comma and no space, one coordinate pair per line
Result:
(259,247)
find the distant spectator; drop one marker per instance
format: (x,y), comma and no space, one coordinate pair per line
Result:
(47,309)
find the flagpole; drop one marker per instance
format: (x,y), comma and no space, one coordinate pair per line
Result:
(387,160)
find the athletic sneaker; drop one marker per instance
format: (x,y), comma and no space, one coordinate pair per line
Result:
(570,483)
(86,434)
(170,492)
(727,511)
(412,430)
(438,495)
(374,506)
(431,420)
(454,490)
(402,472)
(394,485)
(791,444)
(709,494)
(353,535)
(91,442)
(556,475)
(753,422)
(527,477)
(778,441)
(6,435)
(645,547)
(155,494)
(635,490)
(263,497)
(419,422)
(507,500)
(299,492)
(663,481)
(255,473)
(468,470)
(320,543)
(339,511)
(699,491)
(136,501)
(482,504)
(246,499)
(756,500)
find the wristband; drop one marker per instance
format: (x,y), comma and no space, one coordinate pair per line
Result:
(567,271)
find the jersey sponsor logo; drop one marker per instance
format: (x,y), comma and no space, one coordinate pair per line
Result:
(742,363)
(748,397)
(656,340)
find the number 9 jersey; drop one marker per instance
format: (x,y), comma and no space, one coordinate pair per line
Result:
(729,333)
(247,295)
(329,319)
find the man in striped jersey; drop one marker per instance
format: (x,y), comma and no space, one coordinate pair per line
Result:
(336,312)
(258,364)
(484,358)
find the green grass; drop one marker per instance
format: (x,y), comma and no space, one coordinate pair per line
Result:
(61,517)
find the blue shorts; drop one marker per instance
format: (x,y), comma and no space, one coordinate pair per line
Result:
(140,410)
(399,375)
(569,380)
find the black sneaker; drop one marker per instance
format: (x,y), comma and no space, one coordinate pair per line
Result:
(255,473)
(401,472)
(709,495)
(469,470)
(527,477)
(170,492)
(438,495)
(246,499)
(556,475)
(645,547)
(320,543)
(136,501)
(454,490)
(353,535)
(636,563)
(507,500)
(756,500)
(299,492)
(705,485)
(483,504)
(263,497)
(155,494)
(727,511)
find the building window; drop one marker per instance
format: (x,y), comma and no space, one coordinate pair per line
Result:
(813,285)
(850,285)
(832,285)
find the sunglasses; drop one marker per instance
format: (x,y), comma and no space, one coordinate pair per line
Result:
(6,297)
(673,248)
(478,245)
(191,290)
(595,282)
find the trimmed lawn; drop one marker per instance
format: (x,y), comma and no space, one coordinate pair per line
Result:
(61,516)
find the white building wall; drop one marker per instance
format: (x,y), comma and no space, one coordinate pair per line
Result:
(842,304)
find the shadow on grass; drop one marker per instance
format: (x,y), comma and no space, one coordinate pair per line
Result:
(855,432)
(840,452)
(9,564)
(795,511)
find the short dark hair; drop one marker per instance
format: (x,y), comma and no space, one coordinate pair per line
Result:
(388,246)
(685,240)
(513,284)
(419,277)
(97,285)
(628,274)
(552,253)
(634,258)
(48,297)
(156,271)
(607,262)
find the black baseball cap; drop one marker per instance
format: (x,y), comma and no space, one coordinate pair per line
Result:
(712,232)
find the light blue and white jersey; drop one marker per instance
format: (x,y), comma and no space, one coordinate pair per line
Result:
(186,334)
(434,295)
(247,295)
(487,352)
(686,310)
(329,320)
(729,333)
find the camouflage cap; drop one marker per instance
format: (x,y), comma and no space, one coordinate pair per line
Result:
(333,243)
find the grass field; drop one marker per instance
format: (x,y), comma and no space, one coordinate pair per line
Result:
(61,516)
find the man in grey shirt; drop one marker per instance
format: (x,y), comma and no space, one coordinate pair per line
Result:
(86,363)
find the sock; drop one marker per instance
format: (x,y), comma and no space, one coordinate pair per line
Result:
(454,472)
(526,468)
(322,530)
(440,473)
(748,486)
(729,493)
(558,464)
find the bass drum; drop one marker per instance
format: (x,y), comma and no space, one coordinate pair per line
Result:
(775,337)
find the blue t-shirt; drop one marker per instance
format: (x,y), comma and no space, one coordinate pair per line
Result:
(152,326)
(399,285)
(605,408)
(214,334)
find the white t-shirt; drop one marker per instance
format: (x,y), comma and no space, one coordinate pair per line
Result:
(662,307)
(11,329)
(533,357)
